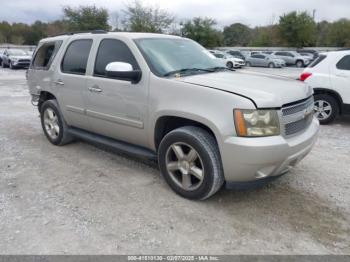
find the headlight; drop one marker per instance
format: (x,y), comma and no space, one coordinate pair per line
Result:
(255,123)
(14,59)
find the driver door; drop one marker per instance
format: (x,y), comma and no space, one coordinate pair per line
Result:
(116,108)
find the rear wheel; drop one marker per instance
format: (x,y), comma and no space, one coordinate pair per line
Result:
(53,123)
(248,64)
(190,162)
(326,108)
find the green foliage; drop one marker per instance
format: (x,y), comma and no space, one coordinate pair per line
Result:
(237,35)
(139,18)
(202,30)
(86,18)
(294,29)
(298,29)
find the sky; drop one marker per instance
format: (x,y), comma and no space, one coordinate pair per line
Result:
(225,12)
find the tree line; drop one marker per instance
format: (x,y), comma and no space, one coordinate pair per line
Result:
(295,29)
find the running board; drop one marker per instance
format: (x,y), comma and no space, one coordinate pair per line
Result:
(109,143)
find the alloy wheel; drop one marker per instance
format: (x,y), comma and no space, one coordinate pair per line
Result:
(51,123)
(185,166)
(323,109)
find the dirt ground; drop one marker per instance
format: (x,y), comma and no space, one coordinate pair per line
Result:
(79,199)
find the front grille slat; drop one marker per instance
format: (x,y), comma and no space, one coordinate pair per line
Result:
(297,117)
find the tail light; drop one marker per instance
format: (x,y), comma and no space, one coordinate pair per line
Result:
(304,76)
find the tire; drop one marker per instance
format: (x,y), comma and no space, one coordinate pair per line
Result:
(11,66)
(208,160)
(248,64)
(229,65)
(271,65)
(322,103)
(3,64)
(60,136)
(299,64)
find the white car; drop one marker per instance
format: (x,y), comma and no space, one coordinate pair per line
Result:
(329,75)
(228,60)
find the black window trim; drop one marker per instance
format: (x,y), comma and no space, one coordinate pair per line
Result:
(58,45)
(337,65)
(95,58)
(65,52)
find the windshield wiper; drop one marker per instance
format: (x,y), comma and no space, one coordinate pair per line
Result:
(219,68)
(189,70)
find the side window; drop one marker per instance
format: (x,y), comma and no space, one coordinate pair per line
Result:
(113,50)
(344,63)
(255,56)
(45,55)
(76,57)
(280,53)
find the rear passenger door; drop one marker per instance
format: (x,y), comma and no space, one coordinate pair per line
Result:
(70,82)
(116,108)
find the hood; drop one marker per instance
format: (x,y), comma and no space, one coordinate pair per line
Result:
(20,57)
(267,91)
(236,59)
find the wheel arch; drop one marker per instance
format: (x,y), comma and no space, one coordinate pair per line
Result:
(167,123)
(44,96)
(334,94)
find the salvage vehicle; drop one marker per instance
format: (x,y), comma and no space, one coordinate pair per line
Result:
(165,98)
(265,60)
(329,76)
(15,58)
(292,58)
(228,60)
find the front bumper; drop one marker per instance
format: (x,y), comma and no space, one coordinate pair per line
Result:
(251,159)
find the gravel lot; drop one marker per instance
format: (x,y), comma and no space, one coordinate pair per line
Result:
(78,199)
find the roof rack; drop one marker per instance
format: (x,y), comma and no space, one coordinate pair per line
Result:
(98,31)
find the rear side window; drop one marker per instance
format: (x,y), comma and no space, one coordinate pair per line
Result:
(344,63)
(45,55)
(76,57)
(318,60)
(113,50)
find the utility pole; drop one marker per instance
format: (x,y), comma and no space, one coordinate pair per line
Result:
(314,14)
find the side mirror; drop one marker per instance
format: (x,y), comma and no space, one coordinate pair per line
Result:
(123,71)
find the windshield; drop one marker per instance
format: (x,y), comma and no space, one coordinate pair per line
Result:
(166,55)
(16,52)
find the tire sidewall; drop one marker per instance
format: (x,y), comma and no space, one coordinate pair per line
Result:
(271,65)
(178,137)
(54,106)
(299,64)
(229,65)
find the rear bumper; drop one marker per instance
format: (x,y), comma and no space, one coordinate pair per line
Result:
(251,159)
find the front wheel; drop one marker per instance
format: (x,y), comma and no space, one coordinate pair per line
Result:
(271,65)
(326,108)
(248,64)
(299,64)
(190,162)
(229,65)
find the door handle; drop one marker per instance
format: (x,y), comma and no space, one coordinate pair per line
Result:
(95,89)
(59,82)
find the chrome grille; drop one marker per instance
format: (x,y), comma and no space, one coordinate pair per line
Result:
(297,117)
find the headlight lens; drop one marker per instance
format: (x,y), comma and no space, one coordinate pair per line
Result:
(256,123)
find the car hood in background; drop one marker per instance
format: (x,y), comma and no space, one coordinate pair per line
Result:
(267,91)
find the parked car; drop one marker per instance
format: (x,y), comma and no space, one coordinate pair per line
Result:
(15,58)
(313,53)
(292,58)
(1,54)
(235,53)
(265,60)
(329,76)
(165,97)
(228,60)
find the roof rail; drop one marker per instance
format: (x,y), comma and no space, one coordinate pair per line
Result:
(98,31)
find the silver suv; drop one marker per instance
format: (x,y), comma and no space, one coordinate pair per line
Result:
(293,58)
(165,98)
